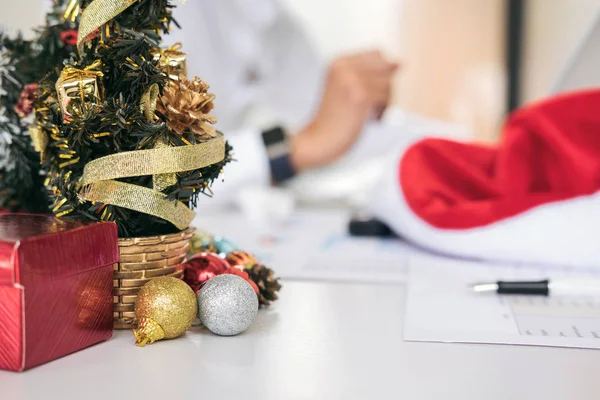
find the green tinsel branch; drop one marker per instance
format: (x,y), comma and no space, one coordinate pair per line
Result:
(23,62)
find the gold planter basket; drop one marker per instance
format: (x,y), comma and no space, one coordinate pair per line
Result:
(141,260)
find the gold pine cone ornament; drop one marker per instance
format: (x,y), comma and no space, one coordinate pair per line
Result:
(165,309)
(186,105)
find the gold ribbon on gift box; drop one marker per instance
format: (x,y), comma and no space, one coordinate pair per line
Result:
(172,60)
(99,185)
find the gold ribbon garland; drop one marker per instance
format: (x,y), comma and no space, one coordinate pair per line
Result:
(155,161)
(140,199)
(162,181)
(98,184)
(98,13)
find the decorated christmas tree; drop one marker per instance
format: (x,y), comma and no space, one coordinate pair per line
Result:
(125,135)
(23,63)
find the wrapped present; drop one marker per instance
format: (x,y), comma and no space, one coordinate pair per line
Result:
(172,61)
(79,90)
(56,280)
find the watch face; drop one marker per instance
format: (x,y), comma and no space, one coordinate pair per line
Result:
(273,136)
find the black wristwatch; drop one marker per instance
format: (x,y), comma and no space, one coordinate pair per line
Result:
(278,151)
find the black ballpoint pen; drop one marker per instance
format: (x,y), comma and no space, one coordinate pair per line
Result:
(573,287)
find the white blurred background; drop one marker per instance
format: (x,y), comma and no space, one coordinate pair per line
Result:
(453,51)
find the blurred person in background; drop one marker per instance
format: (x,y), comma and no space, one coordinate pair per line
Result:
(527,199)
(282,109)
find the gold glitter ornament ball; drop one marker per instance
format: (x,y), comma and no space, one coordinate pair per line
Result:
(165,308)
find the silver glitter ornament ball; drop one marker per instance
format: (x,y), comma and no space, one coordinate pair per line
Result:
(227,305)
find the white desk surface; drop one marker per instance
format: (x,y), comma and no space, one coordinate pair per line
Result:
(321,341)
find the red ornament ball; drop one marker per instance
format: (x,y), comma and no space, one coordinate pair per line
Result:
(69,37)
(205,266)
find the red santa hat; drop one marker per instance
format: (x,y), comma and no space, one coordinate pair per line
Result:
(533,198)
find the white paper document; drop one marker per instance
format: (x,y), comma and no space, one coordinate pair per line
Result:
(314,244)
(442,308)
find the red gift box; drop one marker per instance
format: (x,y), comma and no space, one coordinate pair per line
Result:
(56,280)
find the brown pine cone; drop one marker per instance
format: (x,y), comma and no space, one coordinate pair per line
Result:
(268,285)
(185,106)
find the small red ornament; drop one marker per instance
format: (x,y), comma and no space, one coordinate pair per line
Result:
(69,37)
(241,260)
(202,267)
(244,275)
(24,105)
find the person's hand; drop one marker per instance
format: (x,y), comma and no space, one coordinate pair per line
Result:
(357,88)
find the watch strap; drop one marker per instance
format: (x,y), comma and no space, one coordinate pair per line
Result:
(278,151)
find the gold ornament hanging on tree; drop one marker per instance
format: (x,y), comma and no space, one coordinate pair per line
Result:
(186,104)
(172,61)
(79,89)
